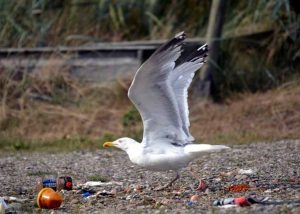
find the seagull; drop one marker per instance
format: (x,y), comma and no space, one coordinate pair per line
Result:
(159,91)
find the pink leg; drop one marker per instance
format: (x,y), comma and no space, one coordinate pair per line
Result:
(202,185)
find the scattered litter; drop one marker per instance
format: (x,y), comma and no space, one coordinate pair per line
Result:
(46,183)
(100,184)
(93,194)
(189,203)
(3,206)
(202,186)
(86,194)
(294,180)
(224,201)
(238,188)
(107,193)
(65,182)
(11,199)
(246,172)
(2,209)
(229,205)
(60,183)
(240,201)
(49,199)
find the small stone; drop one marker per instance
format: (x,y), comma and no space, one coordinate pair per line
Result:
(127,189)
(241,177)
(113,192)
(15,206)
(166,202)
(74,201)
(226,174)
(177,192)
(207,191)
(138,188)
(195,198)
(148,200)
(218,179)
(268,191)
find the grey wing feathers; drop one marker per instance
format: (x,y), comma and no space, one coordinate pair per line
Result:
(181,79)
(153,96)
(159,91)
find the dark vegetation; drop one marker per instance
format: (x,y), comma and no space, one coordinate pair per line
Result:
(260,51)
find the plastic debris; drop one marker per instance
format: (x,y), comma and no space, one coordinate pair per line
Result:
(294,180)
(11,199)
(241,201)
(238,188)
(246,171)
(202,186)
(3,206)
(49,199)
(100,184)
(62,182)
(223,201)
(86,194)
(65,182)
(48,182)
(189,203)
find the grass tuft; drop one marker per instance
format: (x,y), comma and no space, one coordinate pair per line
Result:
(98,178)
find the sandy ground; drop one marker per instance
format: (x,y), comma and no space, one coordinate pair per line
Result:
(274,173)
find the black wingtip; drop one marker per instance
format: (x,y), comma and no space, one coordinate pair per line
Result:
(203,49)
(174,42)
(180,35)
(201,52)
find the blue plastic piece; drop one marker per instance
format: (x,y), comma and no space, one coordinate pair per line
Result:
(86,194)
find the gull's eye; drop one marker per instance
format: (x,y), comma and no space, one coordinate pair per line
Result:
(120,141)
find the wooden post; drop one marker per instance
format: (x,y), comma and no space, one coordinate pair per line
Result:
(204,86)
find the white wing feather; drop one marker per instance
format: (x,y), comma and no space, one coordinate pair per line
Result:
(181,79)
(153,96)
(159,92)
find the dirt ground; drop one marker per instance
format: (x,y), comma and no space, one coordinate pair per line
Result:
(271,169)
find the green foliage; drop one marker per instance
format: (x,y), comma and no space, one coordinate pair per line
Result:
(131,118)
(132,124)
(33,23)
(16,144)
(98,178)
(258,62)
(56,145)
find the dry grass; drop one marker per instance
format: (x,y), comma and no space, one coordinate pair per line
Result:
(53,106)
(250,117)
(55,109)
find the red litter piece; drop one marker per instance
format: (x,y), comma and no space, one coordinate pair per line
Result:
(69,185)
(242,201)
(202,186)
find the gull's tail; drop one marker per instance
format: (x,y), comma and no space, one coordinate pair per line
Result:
(195,149)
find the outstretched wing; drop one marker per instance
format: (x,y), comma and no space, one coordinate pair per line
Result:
(152,93)
(181,79)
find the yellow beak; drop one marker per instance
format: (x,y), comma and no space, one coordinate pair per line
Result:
(108,144)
